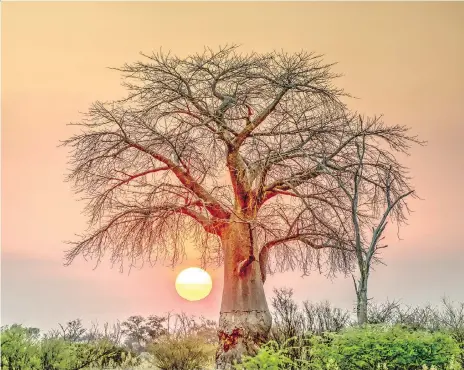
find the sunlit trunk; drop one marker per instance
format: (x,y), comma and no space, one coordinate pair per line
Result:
(245,320)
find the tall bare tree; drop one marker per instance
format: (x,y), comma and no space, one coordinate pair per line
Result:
(375,196)
(230,150)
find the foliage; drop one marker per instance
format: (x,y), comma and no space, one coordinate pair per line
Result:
(22,349)
(312,336)
(452,320)
(100,354)
(181,352)
(293,325)
(299,322)
(139,331)
(373,346)
(270,356)
(448,318)
(289,326)
(56,354)
(370,347)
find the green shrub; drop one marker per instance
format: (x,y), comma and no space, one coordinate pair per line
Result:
(56,354)
(390,348)
(270,356)
(182,353)
(98,354)
(20,348)
(374,347)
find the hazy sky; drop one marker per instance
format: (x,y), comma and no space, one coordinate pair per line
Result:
(404,60)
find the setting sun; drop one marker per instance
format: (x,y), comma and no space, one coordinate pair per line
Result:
(193,284)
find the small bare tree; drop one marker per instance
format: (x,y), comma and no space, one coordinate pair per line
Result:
(73,331)
(385,313)
(230,151)
(139,331)
(135,331)
(112,334)
(322,317)
(288,319)
(371,194)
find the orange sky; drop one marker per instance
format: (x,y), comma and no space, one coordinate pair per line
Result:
(401,59)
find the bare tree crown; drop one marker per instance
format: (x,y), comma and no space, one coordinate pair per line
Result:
(222,137)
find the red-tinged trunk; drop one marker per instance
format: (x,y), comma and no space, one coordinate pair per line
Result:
(245,320)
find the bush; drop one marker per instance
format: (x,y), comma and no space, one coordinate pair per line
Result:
(270,356)
(391,348)
(372,347)
(22,349)
(290,320)
(182,353)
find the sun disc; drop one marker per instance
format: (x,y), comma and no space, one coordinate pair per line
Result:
(193,284)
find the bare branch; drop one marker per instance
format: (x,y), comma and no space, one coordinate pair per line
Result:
(220,137)
(251,125)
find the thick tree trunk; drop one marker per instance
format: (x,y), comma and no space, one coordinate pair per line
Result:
(245,320)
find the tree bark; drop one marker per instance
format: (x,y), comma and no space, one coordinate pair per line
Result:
(245,320)
(361,308)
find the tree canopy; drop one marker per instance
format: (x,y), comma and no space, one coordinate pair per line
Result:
(261,138)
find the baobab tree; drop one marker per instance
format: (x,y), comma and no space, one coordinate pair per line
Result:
(374,199)
(231,151)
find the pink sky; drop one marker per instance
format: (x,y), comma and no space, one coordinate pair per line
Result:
(401,59)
